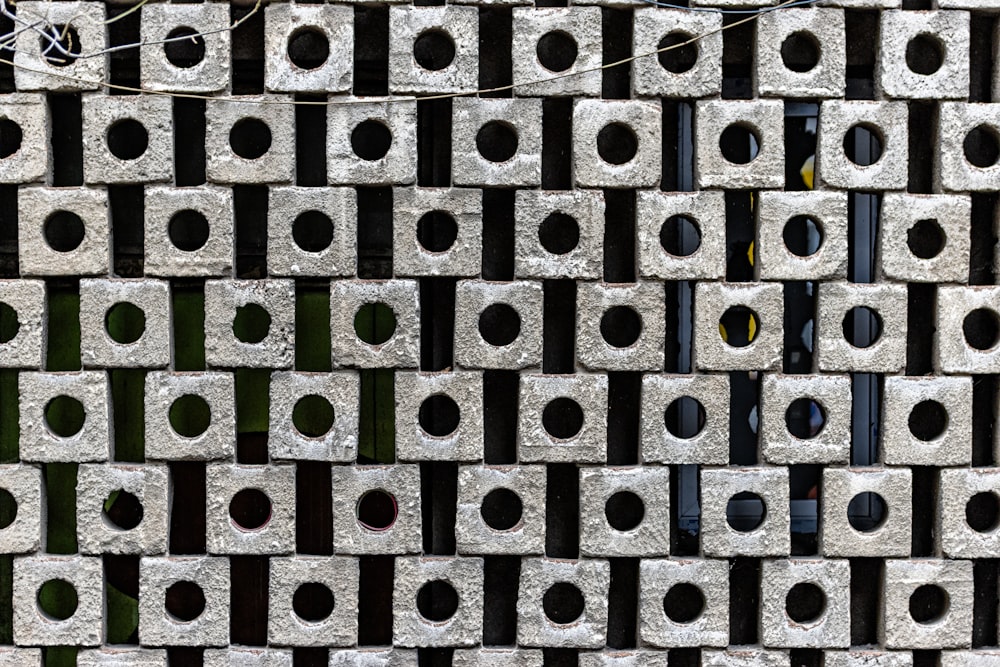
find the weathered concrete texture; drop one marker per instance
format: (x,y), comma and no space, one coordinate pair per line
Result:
(598,305)
(35,627)
(905,402)
(339,575)
(770,537)
(41,66)
(591,578)
(158,626)
(239,118)
(900,215)
(295,213)
(521,117)
(712,300)
(745,657)
(163,442)
(98,349)
(120,657)
(825,29)
(230,343)
(651,534)
(950,31)
(99,485)
(38,207)
(27,299)
(415,407)
(497,657)
(351,535)
(954,306)
(623,658)
(831,443)
(284,23)
(340,443)
(538,218)
(30,161)
(247,657)
(830,628)
(887,121)
(104,115)
(402,347)
(457,25)
(347,116)
(416,626)
(472,532)
(955,121)
(710,627)
(163,257)
(651,25)
(39,441)
(373,657)
(952,629)
(887,351)
(764,119)
(462,257)
(868,658)
(882,537)
(963,492)
(581,25)
(710,443)
(475,301)
(706,250)
(536,443)
(223,510)
(23,533)
(828,213)
(975,658)
(595,162)
(211,73)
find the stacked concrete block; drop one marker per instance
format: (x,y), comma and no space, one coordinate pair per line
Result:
(605,313)
(764,303)
(905,38)
(761,123)
(905,217)
(159,626)
(496,142)
(55,63)
(704,243)
(586,579)
(868,658)
(948,624)
(351,122)
(168,393)
(968,527)
(418,621)
(563,418)
(247,657)
(374,657)
(778,32)
(115,657)
(98,346)
(973,658)
(474,532)
(702,431)
(36,623)
(784,624)
(168,252)
(249,323)
(114,131)
(286,23)
(250,139)
(766,492)
(495,324)
(827,212)
(44,213)
(946,402)
(425,430)
(397,485)
(654,29)
(311,232)
(416,212)
(881,510)
(878,315)
(99,487)
(745,657)
(538,35)
(828,439)
(29,161)
(22,534)
(955,306)
(26,298)
(161,22)
(288,576)
(63,416)
(616,144)
(684,602)
(955,123)
(418,50)
(350,303)
(883,121)
(289,391)
(619,658)
(249,509)
(544,227)
(647,533)
(497,657)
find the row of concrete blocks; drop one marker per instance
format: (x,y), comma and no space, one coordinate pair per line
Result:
(830,628)
(649,486)
(522,118)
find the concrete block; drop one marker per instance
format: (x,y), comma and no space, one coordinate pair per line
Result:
(939,227)
(247,657)
(119,657)
(298,416)
(11,656)
(949,626)
(624,511)
(158,624)
(684,602)
(563,418)
(496,657)
(937,412)
(501,510)
(863,4)
(374,657)
(496,324)
(694,228)
(765,302)
(941,36)
(250,509)
(34,626)
(360,308)
(545,224)
(676,430)
(496,142)
(312,232)
(422,615)
(867,658)
(376,509)
(250,139)
(329,24)
(22,534)
(968,521)
(821,418)
(956,120)
(179,427)
(975,658)
(250,323)
(806,257)
(820,76)
(748,656)
(721,491)
(761,123)
(122,509)
(80,29)
(806,603)
(616,143)
(371,141)
(437,232)
(961,308)
(189,231)
(698,77)
(104,299)
(577,588)
(884,304)
(886,122)
(28,161)
(422,39)
(620,327)
(63,416)
(22,346)
(63,231)
(207,74)
(539,35)
(623,658)
(127,138)
(884,529)
(290,623)
(439,416)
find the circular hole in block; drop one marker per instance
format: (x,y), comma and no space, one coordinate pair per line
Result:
(439,415)
(982,146)
(8,508)
(981,329)
(436,231)
(308,48)
(434,50)
(377,510)
(501,509)
(684,417)
(556,51)
(123,510)
(683,603)
(925,239)
(63,231)
(562,603)
(861,326)
(863,144)
(250,509)
(64,416)
(9,324)
(61,45)
(800,51)
(185,47)
(371,140)
(617,143)
(437,600)
(805,602)
(802,236)
(559,233)
(125,322)
(499,324)
(10,137)
(127,139)
(982,512)
(374,323)
(497,141)
(867,512)
(928,420)
(929,604)
(745,512)
(805,418)
(251,324)
(621,326)
(312,416)
(739,326)
(924,54)
(312,602)
(312,231)
(680,236)
(250,138)
(739,143)
(184,601)
(189,416)
(677,53)
(562,418)
(57,599)
(188,230)
(624,511)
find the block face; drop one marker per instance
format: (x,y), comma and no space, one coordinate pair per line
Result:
(968,529)
(419,623)
(616,144)
(957,352)
(535,30)
(192,432)
(815,222)
(806,419)
(33,625)
(619,326)
(250,140)
(589,578)
(492,327)
(760,524)
(412,70)
(651,26)
(684,602)
(23,532)
(247,657)
(249,509)
(339,576)
(956,121)
(23,348)
(300,426)
(856,523)
(545,222)
(685,419)
(943,34)
(55,70)
(311,232)
(359,529)
(109,322)
(762,121)
(886,121)
(114,657)
(249,323)
(952,628)
(374,120)
(820,77)
(562,418)
(286,23)
(487,520)
(30,161)
(439,416)
(794,623)
(875,318)
(63,416)
(937,413)
(387,313)
(501,123)
(764,348)
(170,252)
(122,509)
(437,232)
(158,72)
(637,499)
(693,225)
(159,626)
(46,213)
(113,129)
(939,228)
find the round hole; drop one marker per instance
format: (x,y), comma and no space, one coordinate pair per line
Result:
(924,54)
(371,140)
(501,509)
(374,323)
(863,144)
(308,48)
(312,231)
(312,602)
(312,416)
(123,509)
(187,48)
(862,326)
(189,416)
(673,56)
(250,509)
(802,235)
(684,417)
(377,510)
(9,324)
(496,141)
(929,603)
(127,139)
(981,147)
(805,602)
(683,603)
(624,511)
(559,233)
(434,50)
(438,415)
(562,418)
(981,329)
(499,324)
(800,51)
(125,322)
(805,418)
(739,326)
(437,600)
(739,144)
(64,415)
(57,599)
(925,239)
(61,46)
(63,231)
(556,51)
(982,512)
(436,231)
(251,324)
(745,512)
(10,137)
(620,326)
(928,420)
(185,601)
(617,143)
(250,138)
(562,603)
(680,236)
(867,512)
(188,230)
(8,508)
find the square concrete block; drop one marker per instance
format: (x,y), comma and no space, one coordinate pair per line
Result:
(886,122)
(497,657)
(616,143)
(759,305)
(314,416)
(63,231)
(124,323)
(247,657)
(936,227)
(956,120)
(879,316)
(867,658)
(375,324)
(288,23)
(940,36)
(190,416)
(54,64)
(937,414)
(975,658)
(684,602)
(571,582)
(158,626)
(546,223)
(806,603)
(806,419)
(314,576)
(114,127)
(976,306)
(250,139)
(418,49)
(745,657)
(563,418)
(820,75)
(625,511)
(654,28)
(946,626)
(610,657)
(497,324)
(373,657)
(21,346)
(312,232)
(437,232)
(815,223)
(761,122)
(537,31)
(501,510)
(681,236)
(250,509)
(439,416)
(188,231)
(122,509)
(37,625)
(877,501)
(417,620)
(968,522)
(620,327)
(746,494)
(119,657)
(685,419)
(496,142)
(371,141)
(376,509)
(29,162)
(63,416)
(22,534)
(250,323)
(162,21)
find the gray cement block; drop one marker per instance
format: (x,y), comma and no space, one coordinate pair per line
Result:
(97,532)
(164,442)
(650,26)
(828,213)
(238,120)
(831,628)
(374,657)
(459,211)
(825,29)
(764,351)
(35,627)
(474,535)
(98,349)
(23,533)
(38,66)
(105,117)
(30,160)
(228,492)
(350,485)
(120,657)
(520,117)
(297,214)
(504,313)
(167,207)
(247,657)
(708,441)
(226,301)
(668,625)
(950,29)
(158,626)
(597,161)
(39,441)
(902,218)
(541,228)
(590,578)
(765,120)
(887,121)
(955,121)
(497,657)
(604,340)
(458,25)
(365,118)
(340,389)
(831,395)
(11,656)
(599,536)
(886,538)
(340,577)
(704,240)
(402,347)
(422,426)
(211,73)
(905,398)
(771,537)
(974,658)
(745,657)
(40,207)
(955,352)
(412,628)
(867,658)
(284,24)
(27,299)
(623,658)
(581,25)
(537,443)
(962,491)
(886,353)
(953,629)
